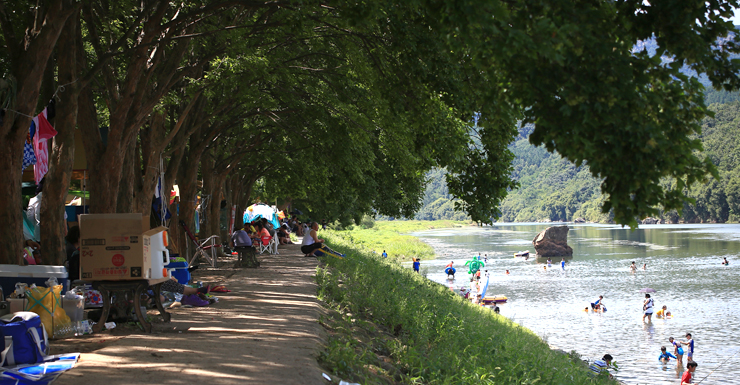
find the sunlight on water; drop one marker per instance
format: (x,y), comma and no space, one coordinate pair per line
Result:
(683,266)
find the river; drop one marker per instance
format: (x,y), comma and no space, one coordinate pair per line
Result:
(683,266)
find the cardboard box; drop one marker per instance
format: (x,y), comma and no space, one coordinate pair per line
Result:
(112,247)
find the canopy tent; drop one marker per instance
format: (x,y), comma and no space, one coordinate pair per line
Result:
(259,210)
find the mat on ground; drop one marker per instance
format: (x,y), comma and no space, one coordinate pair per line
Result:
(41,373)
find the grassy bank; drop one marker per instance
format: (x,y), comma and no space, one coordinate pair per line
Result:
(394,326)
(390,236)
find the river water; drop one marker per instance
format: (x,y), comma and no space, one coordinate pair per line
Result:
(683,266)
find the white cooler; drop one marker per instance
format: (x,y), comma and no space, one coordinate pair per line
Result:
(38,274)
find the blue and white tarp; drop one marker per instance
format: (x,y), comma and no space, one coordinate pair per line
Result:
(41,373)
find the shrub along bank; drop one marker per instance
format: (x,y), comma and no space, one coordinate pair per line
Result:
(390,236)
(394,326)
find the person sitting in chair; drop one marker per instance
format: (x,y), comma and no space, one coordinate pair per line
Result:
(284,235)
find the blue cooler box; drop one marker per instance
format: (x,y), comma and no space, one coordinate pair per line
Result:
(38,274)
(179,267)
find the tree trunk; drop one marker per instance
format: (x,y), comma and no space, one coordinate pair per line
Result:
(62,150)
(28,62)
(125,200)
(207,174)
(187,181)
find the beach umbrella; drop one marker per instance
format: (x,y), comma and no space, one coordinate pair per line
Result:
(258,211)
(647,290)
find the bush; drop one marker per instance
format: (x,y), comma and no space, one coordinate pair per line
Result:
(367,222)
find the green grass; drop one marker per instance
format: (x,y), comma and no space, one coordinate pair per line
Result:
(390,236)
(394,326)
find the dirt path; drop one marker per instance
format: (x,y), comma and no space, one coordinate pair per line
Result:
(265,331)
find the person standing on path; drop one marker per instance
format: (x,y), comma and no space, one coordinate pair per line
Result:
(647,308)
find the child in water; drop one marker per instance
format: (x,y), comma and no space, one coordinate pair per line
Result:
(677,350)
(665,356)
(689,373)
(507,272)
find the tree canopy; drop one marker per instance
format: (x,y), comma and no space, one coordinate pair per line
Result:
(342,107)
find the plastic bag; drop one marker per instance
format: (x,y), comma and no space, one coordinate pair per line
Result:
(46,302)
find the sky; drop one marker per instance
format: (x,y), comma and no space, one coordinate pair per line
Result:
(736,18)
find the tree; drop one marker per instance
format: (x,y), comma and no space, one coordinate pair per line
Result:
(30,33)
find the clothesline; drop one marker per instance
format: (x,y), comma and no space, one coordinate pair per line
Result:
(59,89)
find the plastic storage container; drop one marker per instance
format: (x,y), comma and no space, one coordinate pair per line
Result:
(179,268)
(38,274)
(75,308)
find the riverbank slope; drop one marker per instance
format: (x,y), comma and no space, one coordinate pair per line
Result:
(393,326)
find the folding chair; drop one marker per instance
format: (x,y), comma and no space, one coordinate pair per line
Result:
(265,244)
(206,248)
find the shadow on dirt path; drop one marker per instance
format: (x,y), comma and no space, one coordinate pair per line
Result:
(265,331)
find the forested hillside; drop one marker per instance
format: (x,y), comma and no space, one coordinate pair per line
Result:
(438,203)
(553,189)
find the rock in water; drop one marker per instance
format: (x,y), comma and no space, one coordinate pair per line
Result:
(553,242)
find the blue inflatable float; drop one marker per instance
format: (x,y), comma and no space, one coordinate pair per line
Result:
(450,271)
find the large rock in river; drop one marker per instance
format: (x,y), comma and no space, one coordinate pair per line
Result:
(553,242)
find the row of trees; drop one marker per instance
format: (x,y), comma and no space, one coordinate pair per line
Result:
(341,107)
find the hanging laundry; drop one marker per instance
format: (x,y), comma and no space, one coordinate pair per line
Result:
(45,132)
(29,157)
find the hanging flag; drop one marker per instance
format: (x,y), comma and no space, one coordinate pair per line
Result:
(29,157)
(45,132)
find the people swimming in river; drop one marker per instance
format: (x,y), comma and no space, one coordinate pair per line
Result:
(633,267)
(597,304)
(665,356)
(647,308)
(644,266)
(689,373)
(599,366)
(507,272)
(450,271)
(677,350)
(549,262)
(485,257)
(689,347)
(725,262)
(562,264)
(663,312)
